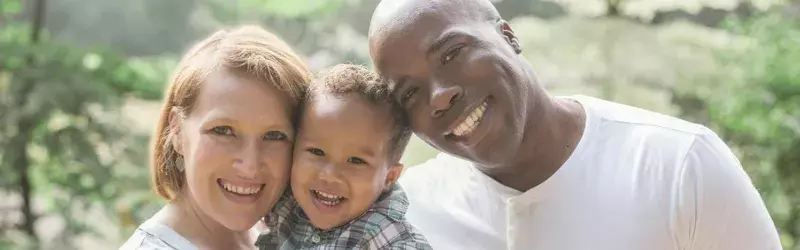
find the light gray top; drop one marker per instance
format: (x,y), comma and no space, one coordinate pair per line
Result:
(152,235)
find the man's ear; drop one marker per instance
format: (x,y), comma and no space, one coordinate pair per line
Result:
(174,134)
(509,35)
(393,174)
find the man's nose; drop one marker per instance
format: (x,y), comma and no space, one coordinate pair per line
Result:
(442,98)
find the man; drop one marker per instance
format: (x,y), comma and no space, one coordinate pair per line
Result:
(525,170)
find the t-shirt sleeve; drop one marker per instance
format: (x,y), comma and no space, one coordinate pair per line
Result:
(718,207)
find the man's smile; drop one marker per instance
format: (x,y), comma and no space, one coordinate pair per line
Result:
(467,122)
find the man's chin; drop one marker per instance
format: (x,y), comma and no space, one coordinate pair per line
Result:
(493,155)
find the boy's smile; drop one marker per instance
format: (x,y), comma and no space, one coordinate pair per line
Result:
(327,202)
(341,158)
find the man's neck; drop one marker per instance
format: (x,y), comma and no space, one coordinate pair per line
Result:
(551,135)
(183,216)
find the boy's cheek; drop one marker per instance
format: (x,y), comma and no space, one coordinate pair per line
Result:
(301,167)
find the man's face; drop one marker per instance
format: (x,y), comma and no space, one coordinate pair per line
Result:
(461,82)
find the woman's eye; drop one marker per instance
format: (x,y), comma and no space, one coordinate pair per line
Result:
(356,160)
(451,54)
(275,136)
(316,151)
(222,130)
(408,94)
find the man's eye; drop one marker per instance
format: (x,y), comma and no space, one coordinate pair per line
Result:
(451,54)
(275,136)
(222,130)
(408,94)
(356,160)
(316,151)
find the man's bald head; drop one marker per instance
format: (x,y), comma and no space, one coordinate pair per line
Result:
(442,60)
(397,15)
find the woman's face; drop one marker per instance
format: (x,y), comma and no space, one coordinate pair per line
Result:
(236,143)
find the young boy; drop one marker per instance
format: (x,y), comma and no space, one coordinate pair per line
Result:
(346,159)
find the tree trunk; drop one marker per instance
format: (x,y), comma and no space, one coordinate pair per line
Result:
(612,8)
(21,165)
(25,126)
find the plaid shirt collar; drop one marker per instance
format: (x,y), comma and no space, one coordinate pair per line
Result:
(290,228)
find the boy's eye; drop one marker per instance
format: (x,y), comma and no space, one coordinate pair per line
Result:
(222,130)
(316,151)
(275,136)
(356,160)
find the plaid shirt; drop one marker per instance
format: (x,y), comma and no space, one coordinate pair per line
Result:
(381,227)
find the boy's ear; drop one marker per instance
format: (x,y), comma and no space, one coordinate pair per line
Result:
(391,176)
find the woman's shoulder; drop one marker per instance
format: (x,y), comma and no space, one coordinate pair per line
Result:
(152,235)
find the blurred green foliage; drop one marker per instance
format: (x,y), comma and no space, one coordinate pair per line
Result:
(63,144)
(755,106)
(759,110)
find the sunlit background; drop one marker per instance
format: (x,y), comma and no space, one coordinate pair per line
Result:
(81,83)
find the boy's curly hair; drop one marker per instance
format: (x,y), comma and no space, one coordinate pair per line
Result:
(343,79)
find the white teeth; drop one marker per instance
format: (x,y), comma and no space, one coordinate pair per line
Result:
(472,121)
(329,203)
(240,190)
(328,195)
(327,198)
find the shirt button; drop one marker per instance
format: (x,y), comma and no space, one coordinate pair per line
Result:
(315,239)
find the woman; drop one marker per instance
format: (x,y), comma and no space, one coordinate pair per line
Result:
(222,148)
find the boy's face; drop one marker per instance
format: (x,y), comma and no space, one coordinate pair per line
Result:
(341,162)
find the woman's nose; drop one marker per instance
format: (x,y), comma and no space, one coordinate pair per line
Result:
(250,160)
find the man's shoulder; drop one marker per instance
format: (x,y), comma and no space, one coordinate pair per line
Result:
(609,113)
(617,130)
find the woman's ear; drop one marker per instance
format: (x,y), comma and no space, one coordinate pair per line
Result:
(174,132)
(392,175)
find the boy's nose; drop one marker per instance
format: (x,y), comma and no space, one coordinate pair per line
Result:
(328,174)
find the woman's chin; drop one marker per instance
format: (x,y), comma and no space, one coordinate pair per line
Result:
(239,223)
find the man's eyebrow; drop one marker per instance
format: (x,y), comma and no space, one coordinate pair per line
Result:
(442,40)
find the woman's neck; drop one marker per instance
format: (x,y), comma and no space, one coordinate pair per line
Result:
(186,218)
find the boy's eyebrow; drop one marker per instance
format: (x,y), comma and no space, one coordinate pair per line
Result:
(369,152)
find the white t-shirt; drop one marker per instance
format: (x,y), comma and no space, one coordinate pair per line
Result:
(636,180)
(152,235)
